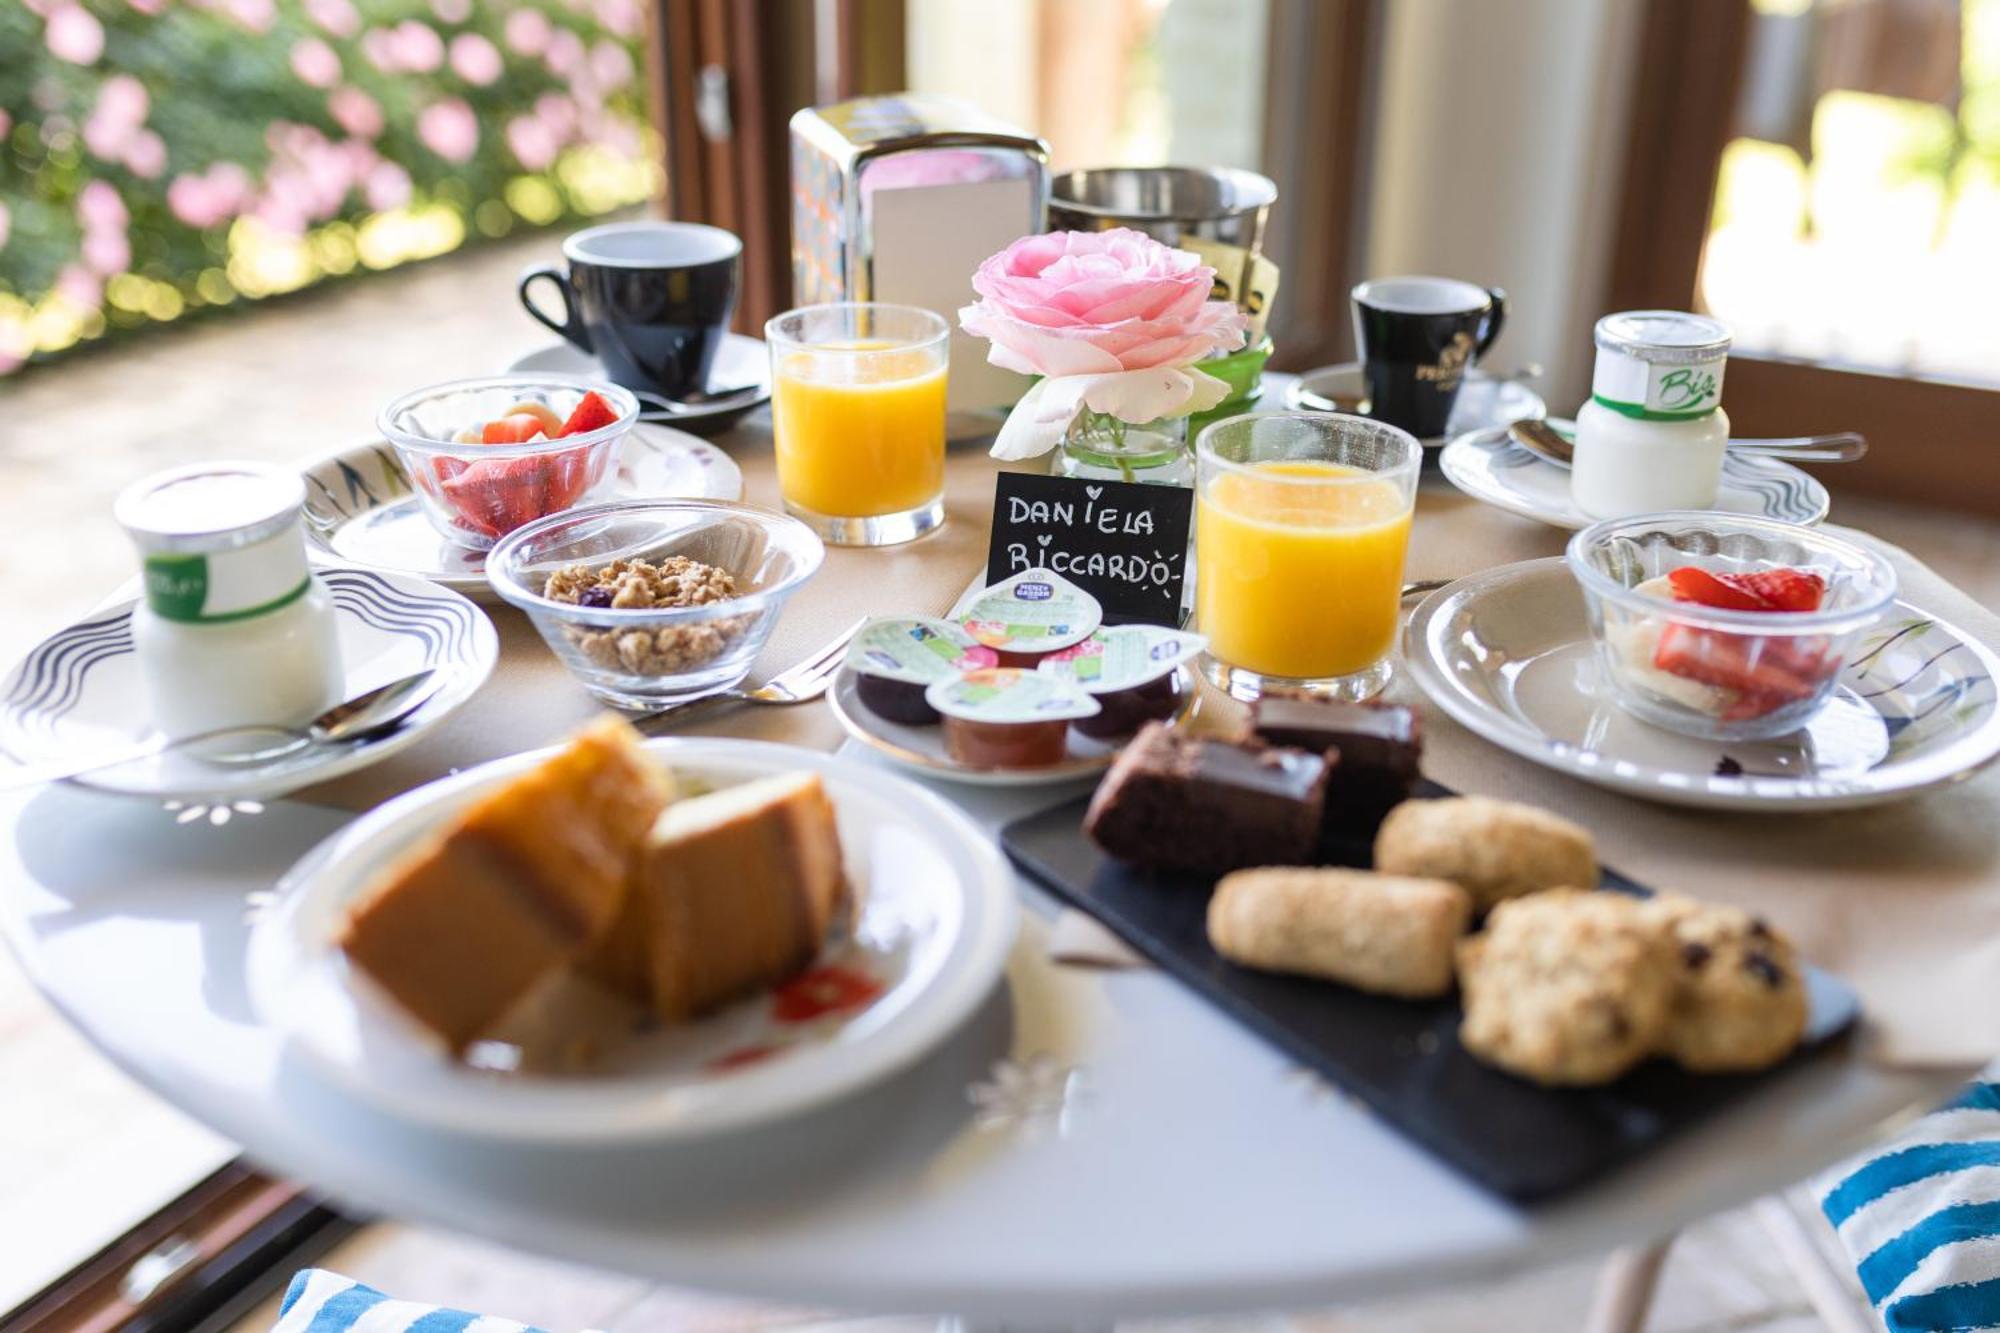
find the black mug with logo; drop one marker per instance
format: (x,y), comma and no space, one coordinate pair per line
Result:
(650,300)
(1417,337)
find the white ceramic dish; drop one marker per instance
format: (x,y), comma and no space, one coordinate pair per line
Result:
(1482,402)
(360,509)
(1508,653)
(740,360)
(1488,466)
(80,690)
(921,749)
(937,917)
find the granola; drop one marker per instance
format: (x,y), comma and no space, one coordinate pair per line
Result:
(642,585)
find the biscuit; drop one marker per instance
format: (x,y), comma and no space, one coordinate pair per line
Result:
(1494,850)
(1380,933)
(1740,995)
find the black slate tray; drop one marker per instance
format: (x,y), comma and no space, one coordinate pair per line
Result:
(1402,1058)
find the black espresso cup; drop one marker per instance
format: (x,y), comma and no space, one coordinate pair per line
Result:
(1417,338)
(650,300)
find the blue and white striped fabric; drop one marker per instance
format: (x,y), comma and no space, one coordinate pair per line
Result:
(1922,1219)
(323,1302)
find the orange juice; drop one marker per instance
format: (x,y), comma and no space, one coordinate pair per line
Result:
(1296,579)
(859,435)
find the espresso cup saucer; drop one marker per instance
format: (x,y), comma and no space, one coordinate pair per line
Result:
(360,509)
(1482,401)
(1489,466)
(1508,654)
(741,360)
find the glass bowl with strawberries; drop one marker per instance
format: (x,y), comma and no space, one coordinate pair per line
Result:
(1723,626)
(489,455)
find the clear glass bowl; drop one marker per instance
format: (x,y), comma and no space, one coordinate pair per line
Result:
(475,494)
(1710,672)
(647,658)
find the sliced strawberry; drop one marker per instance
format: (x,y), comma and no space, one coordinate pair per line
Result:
(1781,589)
(568,479)
(516,429)
(1692,583)
(1729,661)
(592,413)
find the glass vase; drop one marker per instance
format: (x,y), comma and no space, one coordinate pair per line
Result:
(1100,447)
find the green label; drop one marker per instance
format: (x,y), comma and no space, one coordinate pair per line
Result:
(177,585)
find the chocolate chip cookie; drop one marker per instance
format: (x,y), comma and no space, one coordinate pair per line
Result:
(1739,995)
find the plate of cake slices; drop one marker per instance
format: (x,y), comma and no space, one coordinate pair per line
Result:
(627,940)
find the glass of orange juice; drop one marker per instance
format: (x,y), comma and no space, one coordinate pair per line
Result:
(1302,520)
(857,409)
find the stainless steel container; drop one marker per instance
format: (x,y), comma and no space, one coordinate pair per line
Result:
(1218,213)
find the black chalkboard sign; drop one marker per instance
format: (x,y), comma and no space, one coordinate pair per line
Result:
(1124,543)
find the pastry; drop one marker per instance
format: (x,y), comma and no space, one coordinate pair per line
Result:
(1379,745)
(1740,994)
(1494,850)
(1181,803)
(1380,933)
(1566,987)
(732,891)
(513,890)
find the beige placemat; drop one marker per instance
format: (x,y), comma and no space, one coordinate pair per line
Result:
(1903,901)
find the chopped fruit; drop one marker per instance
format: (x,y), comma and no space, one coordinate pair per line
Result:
(1691,583)
(551,419)
(1781,589)
(519,428)
(1732,662)
(828,989)
(592,413)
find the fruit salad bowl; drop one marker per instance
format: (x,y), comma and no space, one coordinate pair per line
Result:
(489,455)
(1725,627)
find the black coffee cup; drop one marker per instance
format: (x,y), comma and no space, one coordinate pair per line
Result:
(1417,338)
(650,300)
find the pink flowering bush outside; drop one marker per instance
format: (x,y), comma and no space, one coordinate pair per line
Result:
(154,154)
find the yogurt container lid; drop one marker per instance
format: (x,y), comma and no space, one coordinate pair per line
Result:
(1036,611)
(1663,337)
(1009,694)
(210,506)
(916,650)
(1122,657)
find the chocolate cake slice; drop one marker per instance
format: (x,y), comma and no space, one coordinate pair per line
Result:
(1379,746)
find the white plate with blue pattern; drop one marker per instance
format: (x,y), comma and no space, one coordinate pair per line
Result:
(360,509)
(1489,466)
(1508,654)
(80,691)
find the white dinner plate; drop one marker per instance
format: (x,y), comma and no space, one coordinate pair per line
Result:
(740,360)
(921,749)
(1508,654)
(935,919)
(80,691)
(1482,401)
(1489,466)
(360,509)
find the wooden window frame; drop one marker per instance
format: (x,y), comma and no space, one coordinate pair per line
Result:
(1932,441)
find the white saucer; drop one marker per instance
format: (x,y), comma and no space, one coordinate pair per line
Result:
(740,360)
(1489,466)
(921,749)
(1508,653)
(1482,401)
(360,509)
(936,920)
(80,691)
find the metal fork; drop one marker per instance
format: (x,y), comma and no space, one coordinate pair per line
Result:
(798,684)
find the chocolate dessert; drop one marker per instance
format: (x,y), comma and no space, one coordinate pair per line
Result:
(1379,746)
(1202,806)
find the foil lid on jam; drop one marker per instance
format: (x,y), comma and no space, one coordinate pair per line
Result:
(1009,695)
(1120,657)
(916,650)
(1036,611)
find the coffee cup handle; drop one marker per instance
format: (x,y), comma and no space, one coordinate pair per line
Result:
(571,328)
(1495,317)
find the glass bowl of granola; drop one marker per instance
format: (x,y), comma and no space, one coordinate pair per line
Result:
(650,603)
(1722,626)
(486,456)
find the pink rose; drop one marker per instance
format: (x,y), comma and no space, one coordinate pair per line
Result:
(355,112)
(611,64)
(315,63)
(146,155)
(1093,302)
(449,129)
(99,207)
(528,32)
(106,252)
(6,224)
(452,11)
(418,46)
(623,17)
(74,34)
(387,187)
(475,59)
(338,17)
(533,144)
(256,15)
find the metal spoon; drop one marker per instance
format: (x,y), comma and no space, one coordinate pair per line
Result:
(695,402)
(1547,443)
(370,713)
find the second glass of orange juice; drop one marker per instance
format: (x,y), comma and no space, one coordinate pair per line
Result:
(1302,520)
(858,416)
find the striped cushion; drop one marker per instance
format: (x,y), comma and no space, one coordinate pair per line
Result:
(323,1302)
(1922,1219)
